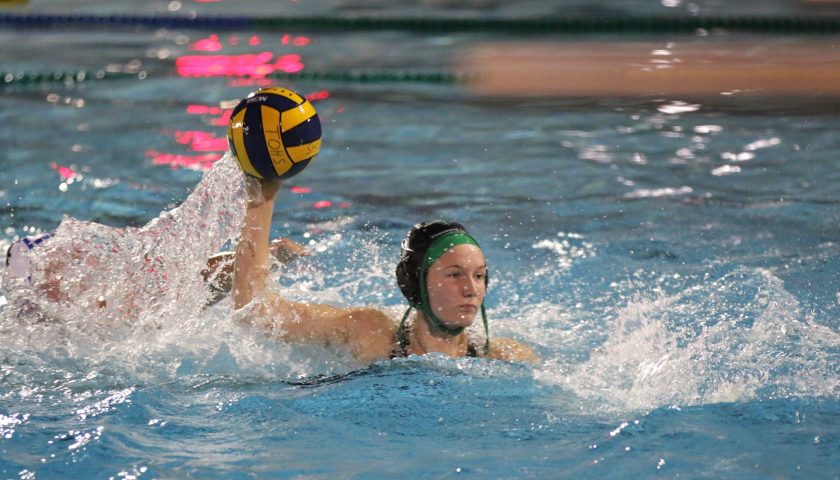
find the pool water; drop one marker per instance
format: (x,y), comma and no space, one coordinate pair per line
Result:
(673,261)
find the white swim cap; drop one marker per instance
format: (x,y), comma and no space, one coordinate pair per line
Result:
(17,258)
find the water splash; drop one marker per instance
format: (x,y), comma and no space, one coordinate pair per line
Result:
(129,304)
(741,336)
(737,338)
(110,293)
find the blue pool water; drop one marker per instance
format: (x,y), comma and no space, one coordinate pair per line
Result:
(674,262)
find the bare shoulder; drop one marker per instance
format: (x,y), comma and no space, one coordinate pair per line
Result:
(371,321)
(366,331)
(502,348)
(369,333)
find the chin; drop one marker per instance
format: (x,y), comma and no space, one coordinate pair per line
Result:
(460,320)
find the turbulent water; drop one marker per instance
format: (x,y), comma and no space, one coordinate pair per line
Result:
(106,293)
(654,360)
(673,261)
(156,384)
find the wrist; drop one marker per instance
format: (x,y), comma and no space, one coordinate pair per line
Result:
(261,192)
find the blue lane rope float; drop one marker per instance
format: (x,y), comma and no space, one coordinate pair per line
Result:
(569,25)
(72,77)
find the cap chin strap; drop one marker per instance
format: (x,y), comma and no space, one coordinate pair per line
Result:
(426,307)
(437,325)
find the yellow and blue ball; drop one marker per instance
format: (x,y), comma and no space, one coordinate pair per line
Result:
(274,133)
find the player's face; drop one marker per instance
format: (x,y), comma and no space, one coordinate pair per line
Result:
(456,285)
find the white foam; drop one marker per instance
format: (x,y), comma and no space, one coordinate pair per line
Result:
(740,337)
(148,277)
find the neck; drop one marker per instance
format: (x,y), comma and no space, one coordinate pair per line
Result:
(424,339)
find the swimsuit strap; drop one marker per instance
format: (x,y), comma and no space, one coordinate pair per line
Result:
(401,347)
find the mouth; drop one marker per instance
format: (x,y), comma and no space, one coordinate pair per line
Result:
(467,308)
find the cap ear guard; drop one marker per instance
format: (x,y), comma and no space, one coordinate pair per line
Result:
(407,282)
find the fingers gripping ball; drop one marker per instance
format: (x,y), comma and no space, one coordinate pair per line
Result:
(274,133)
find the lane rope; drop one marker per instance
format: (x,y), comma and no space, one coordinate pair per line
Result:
(569,25)
(367,76)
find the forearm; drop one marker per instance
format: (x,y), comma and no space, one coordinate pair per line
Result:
(251,266)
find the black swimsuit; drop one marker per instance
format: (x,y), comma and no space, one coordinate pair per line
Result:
(401,344)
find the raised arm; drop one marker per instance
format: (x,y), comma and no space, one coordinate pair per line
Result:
(251,267)
(366,333)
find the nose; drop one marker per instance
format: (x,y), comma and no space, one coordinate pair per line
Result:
(471,287)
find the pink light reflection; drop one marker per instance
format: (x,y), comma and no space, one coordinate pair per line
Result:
(296,41)
(64,172)
(253,65)
(197,162)
(327,204)
(222,114)
(222,120)
(211,44)
(200,141)
(203,110)
(250,82)
(319,95)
